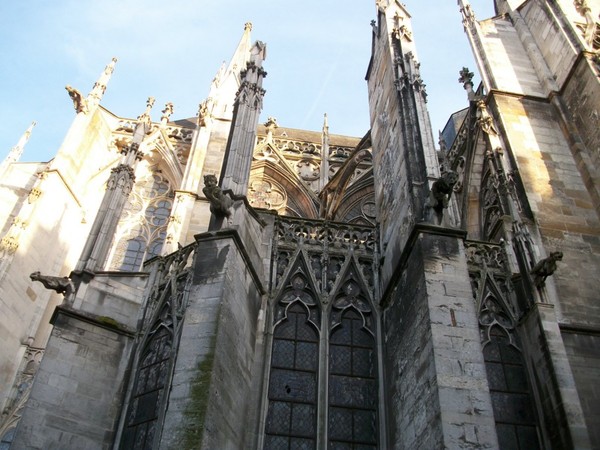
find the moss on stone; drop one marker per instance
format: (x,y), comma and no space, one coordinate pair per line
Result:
(109,321)
(195,411)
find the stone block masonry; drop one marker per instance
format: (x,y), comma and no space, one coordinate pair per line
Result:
(438,391)
(76,397)
(212,379)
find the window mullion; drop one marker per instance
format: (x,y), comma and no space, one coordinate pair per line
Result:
(322,399)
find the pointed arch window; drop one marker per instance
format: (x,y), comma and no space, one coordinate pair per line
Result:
(142,229)
(148,394)
(352,384)
(347,398)
(292,413)
(512,402)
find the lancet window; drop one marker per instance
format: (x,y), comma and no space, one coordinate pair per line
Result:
(514,411)
(154,360)
(322,381)
(142,418)
(142,229)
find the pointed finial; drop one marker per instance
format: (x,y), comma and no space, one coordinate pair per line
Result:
(144,122)
(100,85)
(166,114)
(270,125)
(325,124)
(15,153)
(248,26)
(467,12)
(466,78)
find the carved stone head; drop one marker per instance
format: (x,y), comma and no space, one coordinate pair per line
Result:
(450,177)
(210,180)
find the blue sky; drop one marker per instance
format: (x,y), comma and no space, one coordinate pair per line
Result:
(317,56)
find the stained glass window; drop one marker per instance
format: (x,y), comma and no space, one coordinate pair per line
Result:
(352,385)
(514,412)
(141,421)
(292,413)
(142,228)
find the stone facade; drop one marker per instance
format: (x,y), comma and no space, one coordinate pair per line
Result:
(235,285)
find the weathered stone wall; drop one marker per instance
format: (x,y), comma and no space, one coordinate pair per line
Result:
(113,296)
(55,223)
(583,350)
(437,384)
(213,374)
(551,39)
(582,97)
(510,67)
(412,390)
(560,202)
(76,397)
(559,410)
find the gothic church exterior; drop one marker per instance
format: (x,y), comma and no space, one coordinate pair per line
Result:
(217,283)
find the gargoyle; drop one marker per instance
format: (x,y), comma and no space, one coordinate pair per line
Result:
(79,102)
(544,268)
(220,204)
(62,285)
(441,190)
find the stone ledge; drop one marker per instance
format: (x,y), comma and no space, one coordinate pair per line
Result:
(107,323)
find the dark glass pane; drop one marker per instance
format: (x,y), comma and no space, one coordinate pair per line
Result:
(306,332)
(363,362)
(340,359)
(365,426)
(291,415)
(286,329)
(510,354)
(146,407)
(302,444)
(341,335)
(303,420)
(491,352)
(140,438)
(516,379)
(352,392)
(512,408)
(495,374)
(360,336)
(276,443)
(151,378)
(278,418)
(283,354)
(340,446)
(352,385)
(528,437)
(507,438)
(294,386)
(307,356)
(340,424)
